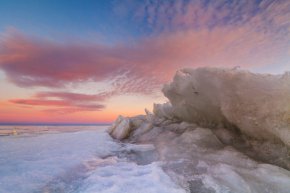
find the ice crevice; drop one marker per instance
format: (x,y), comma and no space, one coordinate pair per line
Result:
(222,130)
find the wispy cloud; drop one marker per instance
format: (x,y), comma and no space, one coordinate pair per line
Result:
(149,62)
(164,15)
(72,96)
(63,102)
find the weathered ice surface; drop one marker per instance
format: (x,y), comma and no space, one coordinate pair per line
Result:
(259,105)
(222,130)
(83,161)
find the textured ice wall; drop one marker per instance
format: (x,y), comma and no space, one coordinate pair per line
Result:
(202,159)
(257,104)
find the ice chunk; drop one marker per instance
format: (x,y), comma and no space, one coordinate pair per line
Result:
(259,105)
(145,127)
(163,110)
(121,128)
(115,124)
(208,165)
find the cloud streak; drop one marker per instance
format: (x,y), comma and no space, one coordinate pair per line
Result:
(73,96)
(63,102)
(32,62)
(162,15)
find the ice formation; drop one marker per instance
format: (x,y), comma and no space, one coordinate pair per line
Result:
(259,105)
(223,130)
(83,161)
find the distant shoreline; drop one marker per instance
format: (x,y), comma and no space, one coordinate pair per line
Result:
(54,124)
(15,129)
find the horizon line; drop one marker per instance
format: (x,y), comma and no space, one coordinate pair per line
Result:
(53,123)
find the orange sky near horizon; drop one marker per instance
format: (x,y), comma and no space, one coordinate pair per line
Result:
(125,105)
(121,105)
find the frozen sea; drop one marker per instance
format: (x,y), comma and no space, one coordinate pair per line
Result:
(225,134)
(73,159)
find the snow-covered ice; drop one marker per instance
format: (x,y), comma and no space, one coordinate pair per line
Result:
(78,162)
(222,130)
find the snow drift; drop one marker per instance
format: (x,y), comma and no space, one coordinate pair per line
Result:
(223,130)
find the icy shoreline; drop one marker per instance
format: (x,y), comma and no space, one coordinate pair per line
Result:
(83,161)
(221,131)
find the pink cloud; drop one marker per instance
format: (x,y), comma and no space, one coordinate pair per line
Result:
(69,110)
(40,102)
(150,62)
(72,96)
(30,62)
(63,102)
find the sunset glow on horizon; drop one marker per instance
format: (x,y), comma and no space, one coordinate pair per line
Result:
(90,61)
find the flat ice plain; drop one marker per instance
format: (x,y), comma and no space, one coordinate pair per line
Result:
(82,161)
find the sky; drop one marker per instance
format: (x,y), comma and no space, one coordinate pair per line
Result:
(87,61)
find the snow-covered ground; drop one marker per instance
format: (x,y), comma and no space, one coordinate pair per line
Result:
(80,161)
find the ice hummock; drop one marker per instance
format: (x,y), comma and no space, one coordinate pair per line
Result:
(257,104)
(222,130)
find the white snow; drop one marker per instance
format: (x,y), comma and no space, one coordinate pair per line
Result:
(77,162)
